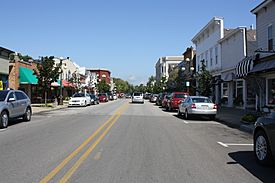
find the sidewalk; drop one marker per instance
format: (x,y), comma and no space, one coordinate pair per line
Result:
(37,109)
(232,118)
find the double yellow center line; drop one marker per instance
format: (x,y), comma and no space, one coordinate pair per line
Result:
(106,126)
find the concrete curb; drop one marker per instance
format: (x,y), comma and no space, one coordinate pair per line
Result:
(47,110)
(248,128)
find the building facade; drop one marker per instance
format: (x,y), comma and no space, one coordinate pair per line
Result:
(165,65)
(101,74)
(237,46)
(209,50)
(263,72)
(4,67)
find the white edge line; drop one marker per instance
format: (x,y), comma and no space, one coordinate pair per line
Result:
(239,144)
(222,144)
(185,122)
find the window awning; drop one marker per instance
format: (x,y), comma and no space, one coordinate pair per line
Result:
(244,66)
(229,76)
(263,66)
(26,76)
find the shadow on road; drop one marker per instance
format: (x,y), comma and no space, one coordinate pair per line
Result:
(247,160)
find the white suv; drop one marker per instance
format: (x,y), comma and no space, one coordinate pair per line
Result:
(137,97)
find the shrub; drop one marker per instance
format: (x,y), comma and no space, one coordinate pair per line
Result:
(249,118)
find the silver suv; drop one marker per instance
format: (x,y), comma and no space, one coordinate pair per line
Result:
(14,104)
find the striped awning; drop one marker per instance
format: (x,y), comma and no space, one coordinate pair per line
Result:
(244,66)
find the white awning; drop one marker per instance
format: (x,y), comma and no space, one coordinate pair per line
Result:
(244,66)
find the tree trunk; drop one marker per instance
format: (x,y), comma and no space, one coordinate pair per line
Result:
(45,98)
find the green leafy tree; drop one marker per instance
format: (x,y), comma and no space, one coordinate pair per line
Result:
(103,86)
(204,79)
(160,86)
(150,84)
(46,74)
(75,80)
(121,85)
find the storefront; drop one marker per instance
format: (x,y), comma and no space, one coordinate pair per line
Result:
(263,74)
(244,95)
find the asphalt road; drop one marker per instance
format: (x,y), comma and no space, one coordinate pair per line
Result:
(124,143)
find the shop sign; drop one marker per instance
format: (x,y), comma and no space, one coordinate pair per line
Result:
(1,85)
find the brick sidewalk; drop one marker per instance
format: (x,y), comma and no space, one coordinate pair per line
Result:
(232,117)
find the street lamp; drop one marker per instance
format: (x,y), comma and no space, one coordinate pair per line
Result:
(61,59)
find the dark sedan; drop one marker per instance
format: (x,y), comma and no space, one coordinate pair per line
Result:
(94,99)
(264,139)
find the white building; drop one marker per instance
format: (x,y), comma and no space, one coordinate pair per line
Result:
(209,50)
(68,67)
(237,47)
(165,65)
(263,71)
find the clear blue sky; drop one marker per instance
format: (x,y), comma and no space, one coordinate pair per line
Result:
(125,36)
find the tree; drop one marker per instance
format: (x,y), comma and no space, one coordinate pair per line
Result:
(103,86)
(75,80)
(121,85)
(46,74)
(150,84)
(204,79)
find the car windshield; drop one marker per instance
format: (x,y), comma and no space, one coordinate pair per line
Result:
(137,94)
(79,95)
(3,95)
(201,100)
(102,94)
(180,95)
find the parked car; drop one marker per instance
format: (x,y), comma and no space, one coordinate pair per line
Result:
(94,99)
(153,98)
(166,98)
(80,99)
(14,104)
(128,95)
(137,97)
(103,97)
(197,105)
(264,139)
(110,96)
(147,96)
(114,96)
(175,100)
(160,98)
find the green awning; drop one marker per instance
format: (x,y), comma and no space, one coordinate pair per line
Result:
(26,76)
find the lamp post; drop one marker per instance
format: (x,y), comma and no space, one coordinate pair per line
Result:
(61,74)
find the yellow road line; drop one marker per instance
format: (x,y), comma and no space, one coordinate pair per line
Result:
(68,175)
(48,177)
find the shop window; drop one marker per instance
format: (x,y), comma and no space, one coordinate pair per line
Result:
(270,38)
(238,101)
(271,91)
(225,92)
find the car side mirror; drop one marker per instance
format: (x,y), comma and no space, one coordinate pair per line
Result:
(11,100)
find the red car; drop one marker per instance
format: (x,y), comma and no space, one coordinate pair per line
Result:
(103,97)
(175,100)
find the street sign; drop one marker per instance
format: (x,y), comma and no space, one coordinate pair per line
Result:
(1,85)
(187,83)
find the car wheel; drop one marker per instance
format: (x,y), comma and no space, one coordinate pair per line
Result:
(4,119)
(27,115)
(179,113)
(212,117)
(85,105)
(262,149)
(186,115)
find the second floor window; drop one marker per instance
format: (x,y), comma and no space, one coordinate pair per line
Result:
(211,56)
(270,38)
(216,55)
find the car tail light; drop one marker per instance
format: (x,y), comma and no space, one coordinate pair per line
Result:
(179,101)
(193,106)
(215,106)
